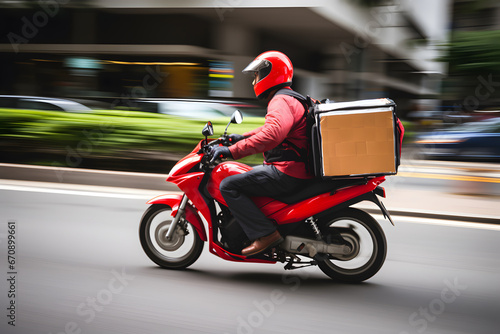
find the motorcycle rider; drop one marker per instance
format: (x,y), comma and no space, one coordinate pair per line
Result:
(282,139)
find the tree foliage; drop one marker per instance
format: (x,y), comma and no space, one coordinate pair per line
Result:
(473,59)
(474,52)
(107,133)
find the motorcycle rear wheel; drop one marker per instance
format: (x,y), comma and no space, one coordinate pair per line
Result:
(178,253)
(366,236)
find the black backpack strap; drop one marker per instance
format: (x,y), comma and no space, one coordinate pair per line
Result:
(281,152)
(305,155)
(301,98)
(290,92)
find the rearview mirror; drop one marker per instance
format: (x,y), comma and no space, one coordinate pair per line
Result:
(237,117)
(208,129)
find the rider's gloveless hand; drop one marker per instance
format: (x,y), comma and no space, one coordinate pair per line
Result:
(220,152)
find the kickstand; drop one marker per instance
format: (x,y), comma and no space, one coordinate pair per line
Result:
(290,265)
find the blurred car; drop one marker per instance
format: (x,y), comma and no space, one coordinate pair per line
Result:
(198,109)
(41,103)
(429,116)
(473,140)
(435,118)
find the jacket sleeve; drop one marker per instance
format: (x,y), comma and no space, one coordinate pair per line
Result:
(252,132)
(279,121)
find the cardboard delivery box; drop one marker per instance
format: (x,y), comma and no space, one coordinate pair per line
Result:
(357,138)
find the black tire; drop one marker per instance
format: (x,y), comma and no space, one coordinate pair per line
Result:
(335,267)
(149,231)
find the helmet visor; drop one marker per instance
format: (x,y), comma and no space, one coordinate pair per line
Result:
(257,65)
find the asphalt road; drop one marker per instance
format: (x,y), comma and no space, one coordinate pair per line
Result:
(79,268)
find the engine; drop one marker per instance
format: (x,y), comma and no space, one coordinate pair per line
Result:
(232,236)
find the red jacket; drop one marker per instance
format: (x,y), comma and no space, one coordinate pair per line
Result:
(284,120)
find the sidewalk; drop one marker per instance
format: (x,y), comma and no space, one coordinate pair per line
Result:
(449,203)
(471,191)
(439,205)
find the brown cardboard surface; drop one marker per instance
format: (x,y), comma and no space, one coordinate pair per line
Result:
(358,143)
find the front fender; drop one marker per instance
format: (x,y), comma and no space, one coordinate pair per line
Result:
(173,201)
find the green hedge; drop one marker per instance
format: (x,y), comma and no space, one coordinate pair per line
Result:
(108,132)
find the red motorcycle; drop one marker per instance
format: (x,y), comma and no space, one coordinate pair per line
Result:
(319,225)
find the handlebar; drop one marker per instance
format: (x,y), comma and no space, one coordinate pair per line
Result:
(224,140)
(207,148)
(215,142)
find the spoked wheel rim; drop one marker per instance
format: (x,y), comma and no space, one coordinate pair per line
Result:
(176,250)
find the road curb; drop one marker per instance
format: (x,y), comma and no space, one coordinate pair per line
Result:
(93,177)
(438,216)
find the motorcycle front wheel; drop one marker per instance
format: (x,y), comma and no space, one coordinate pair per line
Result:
(179,252)
(365,240)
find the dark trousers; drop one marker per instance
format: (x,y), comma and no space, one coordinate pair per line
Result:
(263,180)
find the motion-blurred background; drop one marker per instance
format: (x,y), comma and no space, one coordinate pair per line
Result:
(132,82)
(106,86)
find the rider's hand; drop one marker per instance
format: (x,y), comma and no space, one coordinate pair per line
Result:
(234,138)
(219,152)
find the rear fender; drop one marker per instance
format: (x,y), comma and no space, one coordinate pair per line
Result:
(369,196)
(374,199)
(173,201)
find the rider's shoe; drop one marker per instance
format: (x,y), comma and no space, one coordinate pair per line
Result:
(263,243)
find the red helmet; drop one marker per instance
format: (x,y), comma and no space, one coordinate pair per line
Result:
(274,71)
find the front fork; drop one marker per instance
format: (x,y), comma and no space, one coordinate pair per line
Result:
(180,213)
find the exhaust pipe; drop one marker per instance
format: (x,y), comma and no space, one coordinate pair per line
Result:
(311,247)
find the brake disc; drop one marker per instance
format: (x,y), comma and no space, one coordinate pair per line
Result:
(161,237)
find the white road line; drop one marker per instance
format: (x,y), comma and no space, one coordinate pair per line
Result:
(73,192)
(441,222)
(448,171)
(93,191)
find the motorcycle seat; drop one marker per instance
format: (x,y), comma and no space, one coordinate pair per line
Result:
(319,186)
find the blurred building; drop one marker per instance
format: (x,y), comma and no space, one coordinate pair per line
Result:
(473,15)
(116,49)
